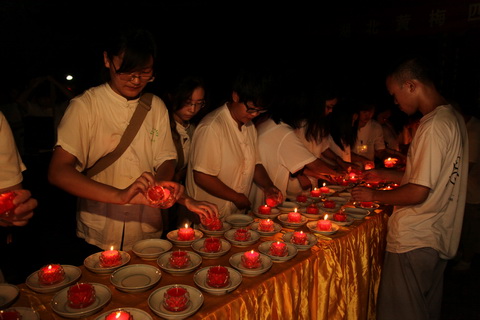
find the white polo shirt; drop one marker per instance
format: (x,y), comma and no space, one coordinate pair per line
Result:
(10,161)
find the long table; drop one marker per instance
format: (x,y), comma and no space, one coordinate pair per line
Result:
(335,279)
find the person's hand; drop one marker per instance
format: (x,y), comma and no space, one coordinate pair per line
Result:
(24,205)
(204,209)
(274,196)
(362,194)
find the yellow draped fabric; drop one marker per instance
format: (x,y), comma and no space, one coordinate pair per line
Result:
(336,279)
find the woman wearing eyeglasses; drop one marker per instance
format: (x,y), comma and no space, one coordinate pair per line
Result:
(113,209)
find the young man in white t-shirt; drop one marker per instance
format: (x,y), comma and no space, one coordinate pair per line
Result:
(424,228)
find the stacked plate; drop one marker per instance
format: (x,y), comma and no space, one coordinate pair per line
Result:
(215,233)
(150,249)
(72,274)
(283,218)
(311,241)
(313,227)
(198,247)
(288,206)
(346,195)
(164,264)
(273,214)
(60,305)
(254,237)
(200,279)
(8,294)
(92,263)
(236,262)
(276,229)
(356,213)
(135,278)
(155,302)
(265,249)
(239,220)
(136,314)
(173,237)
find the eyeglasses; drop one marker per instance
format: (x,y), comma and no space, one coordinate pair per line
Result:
(142,76)
(200,104)
(254,110)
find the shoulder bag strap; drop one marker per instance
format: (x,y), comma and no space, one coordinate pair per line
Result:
(144,105)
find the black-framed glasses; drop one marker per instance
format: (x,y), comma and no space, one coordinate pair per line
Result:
(142,76)
(197,105)
(254,110)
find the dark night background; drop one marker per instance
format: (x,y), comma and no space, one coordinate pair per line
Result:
(350,42)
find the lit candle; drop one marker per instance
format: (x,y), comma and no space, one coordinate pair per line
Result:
(265,209)
(302,198)
(251,259)
(369,166)
(294,216)
(325,224)
(186,233)
(299,237)
(339,216)
(272,201)
(390,162)
(324,189)
(315,192)
(394,185)
(218,277)
(6,204)
(352,177)
(212,244)
(110,258)
(278,249)
(329,204)
(176,299)
(179,259)
(266,225)
(81,295)
(51,274)
(313,209)
(119,315)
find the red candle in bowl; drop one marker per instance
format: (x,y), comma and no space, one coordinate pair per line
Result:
(110,258)
(329,204)
(294,217)
(212,244)
(119,315)
(81,295)
(324,189)
(316,193)
(313,209)
(218,277)
(278,249)
(241,234)
(186,233)
(251,259)
(179,259)
(325,224)
(6,205)
(213,224)
(10,314)
(266,225)
(265,209)
(341,217)
(366,204)
(302,198)
(176,299)
(390,162)
(299,237)
(51,274)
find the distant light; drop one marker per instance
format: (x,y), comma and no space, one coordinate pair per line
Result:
(69,77)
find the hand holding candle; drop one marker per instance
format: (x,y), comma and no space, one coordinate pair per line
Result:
(160,197)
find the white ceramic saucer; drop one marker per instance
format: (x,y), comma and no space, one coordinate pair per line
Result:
(356,213)
(8,294)
(265,249)
(72,274)
(371,209)
(135,278)
(273,214)
(92,263)
(283,218)
(289,206)
(200,278)
(312,225)
(236,262)
(173,237)
(155,302)
(254,237)
(150,249)
(239,220)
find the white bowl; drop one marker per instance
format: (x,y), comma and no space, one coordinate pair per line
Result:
(173,237)
(236,262)
(215,233)
(136,314)
(254,237)
(135,278)
(276,229)
(274,213)
(283,218)
(313,227)
(72,274)
(164,264)
(356,213)
(92,263)
(8,294)
(239,220)
(289,206)
(150,249)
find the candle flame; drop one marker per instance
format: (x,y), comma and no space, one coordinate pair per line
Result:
(266,206)
(252,252)
(326,217)
(50,267)
(118,314)
(324,184)
(268,220)
(295,210)
(186,225)
(111,248)
(301,232)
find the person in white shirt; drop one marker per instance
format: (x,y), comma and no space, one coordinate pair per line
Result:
(224,159)
(425,226)
(113,210)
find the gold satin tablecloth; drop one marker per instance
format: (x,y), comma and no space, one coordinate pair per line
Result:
(337,278)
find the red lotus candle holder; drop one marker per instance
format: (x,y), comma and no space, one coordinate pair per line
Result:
(272,201)
(110,258)
(81,295)
(390,162)
(251,259)
(301,198)
(160,197)
(313,209)
(324,224)
(214,224)
(340,217)
(179,259)
(299,237)
(212,245)
(266,225)
(241,234)
(329,204)
(278,249)
(10,314)
(51,274)
(218,277)
(6,205)
(324,189)
(119,315)
(176,299)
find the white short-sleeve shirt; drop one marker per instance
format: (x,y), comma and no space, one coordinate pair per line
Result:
(10,161)
(220,149)
(437,159)
(369,139)
(91,128)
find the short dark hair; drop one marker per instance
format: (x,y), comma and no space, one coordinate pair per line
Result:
(417,68)
(255,84)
